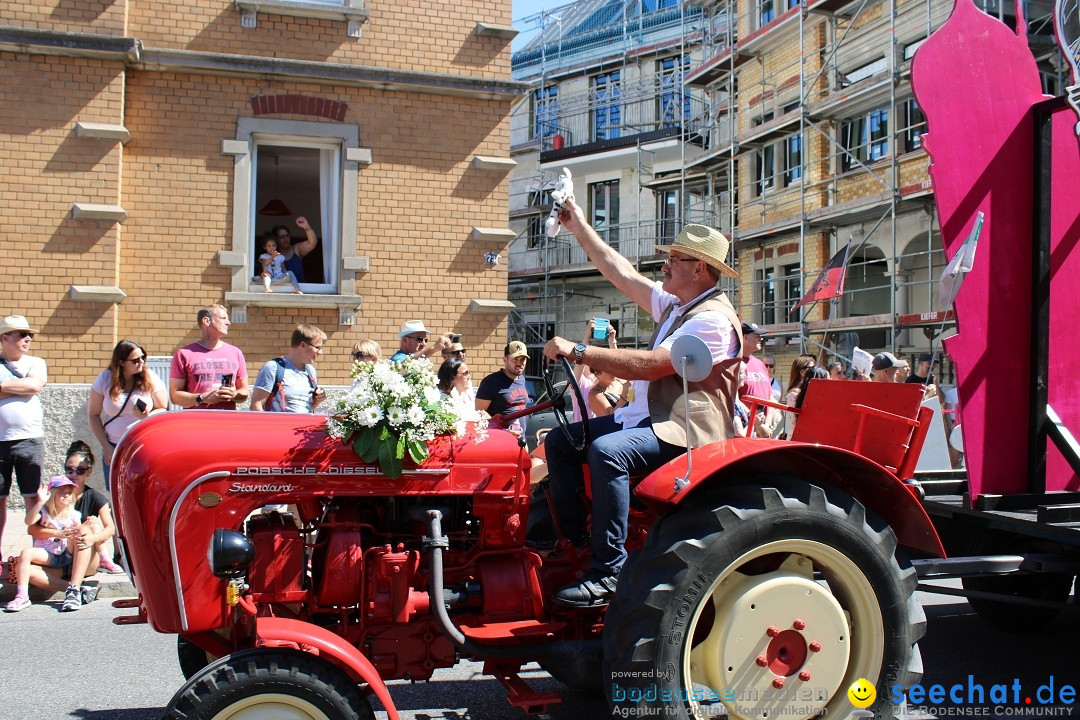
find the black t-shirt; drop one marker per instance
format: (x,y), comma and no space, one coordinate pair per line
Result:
(90,503)
(507,395)
(929,380)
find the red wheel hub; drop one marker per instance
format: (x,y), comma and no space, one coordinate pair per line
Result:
(786,653)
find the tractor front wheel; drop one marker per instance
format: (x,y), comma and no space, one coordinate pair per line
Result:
(261,684)
(771,601)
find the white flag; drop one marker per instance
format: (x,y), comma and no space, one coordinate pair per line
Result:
(962,262)
(861,360)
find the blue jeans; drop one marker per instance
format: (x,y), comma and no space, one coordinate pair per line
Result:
(614,456)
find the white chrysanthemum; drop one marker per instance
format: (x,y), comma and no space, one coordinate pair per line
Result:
(370,416)
(415,415)
(432,395)
(395,415)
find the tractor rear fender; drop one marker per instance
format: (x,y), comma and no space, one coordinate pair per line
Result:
(735,460)
(299,635)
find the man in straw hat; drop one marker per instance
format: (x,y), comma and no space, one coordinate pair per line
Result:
(649,429)
(22,429)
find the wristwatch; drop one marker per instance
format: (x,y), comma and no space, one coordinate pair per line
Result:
(579,353)
(198,400)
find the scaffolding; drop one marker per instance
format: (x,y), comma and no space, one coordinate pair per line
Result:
(798,134)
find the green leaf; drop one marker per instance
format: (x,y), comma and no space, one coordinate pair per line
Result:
(372,453)
(391,466)
(364,438)
(399,448)
(418,451)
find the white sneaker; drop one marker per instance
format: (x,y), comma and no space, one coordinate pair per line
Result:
(72,599)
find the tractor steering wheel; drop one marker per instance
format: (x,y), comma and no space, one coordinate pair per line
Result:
(558,406)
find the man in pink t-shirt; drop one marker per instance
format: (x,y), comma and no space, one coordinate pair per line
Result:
(209,373)
(758,383)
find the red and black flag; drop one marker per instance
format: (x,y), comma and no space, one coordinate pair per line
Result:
(830,282)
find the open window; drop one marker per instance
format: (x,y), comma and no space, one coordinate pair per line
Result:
(285,169)
(300,178)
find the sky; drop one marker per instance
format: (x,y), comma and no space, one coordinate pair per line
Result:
(525,8)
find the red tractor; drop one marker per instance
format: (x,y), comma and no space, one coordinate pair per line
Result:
(766,576)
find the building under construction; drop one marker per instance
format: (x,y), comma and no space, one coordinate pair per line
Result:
(791,126)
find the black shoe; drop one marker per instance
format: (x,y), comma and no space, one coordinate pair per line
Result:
(593,590)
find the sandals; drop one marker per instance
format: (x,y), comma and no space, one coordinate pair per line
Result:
(12,577)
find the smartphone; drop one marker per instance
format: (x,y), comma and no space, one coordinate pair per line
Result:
(600,329)
(141,405)
(455,338)
(226,380)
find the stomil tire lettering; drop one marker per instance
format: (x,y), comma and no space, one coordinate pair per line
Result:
(752,598)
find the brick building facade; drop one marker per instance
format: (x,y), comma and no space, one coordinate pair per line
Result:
(142,138)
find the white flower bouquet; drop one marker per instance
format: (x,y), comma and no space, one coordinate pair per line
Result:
(394,408)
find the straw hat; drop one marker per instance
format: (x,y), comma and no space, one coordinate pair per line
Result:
(15,323)
(412,326)
(705,244)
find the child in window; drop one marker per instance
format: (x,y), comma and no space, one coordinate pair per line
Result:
(273,268)
(56,507)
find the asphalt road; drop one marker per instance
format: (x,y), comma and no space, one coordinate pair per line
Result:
(61,666)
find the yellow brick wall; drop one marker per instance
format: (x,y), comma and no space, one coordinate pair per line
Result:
(46,169)
(422,35)
(417,203)
(103,17)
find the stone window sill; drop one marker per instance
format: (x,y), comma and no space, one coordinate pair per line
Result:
(351,11)
(288,299)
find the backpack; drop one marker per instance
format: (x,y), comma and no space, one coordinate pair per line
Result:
(279,379)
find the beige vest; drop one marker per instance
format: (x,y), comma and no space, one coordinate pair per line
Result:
(711,401)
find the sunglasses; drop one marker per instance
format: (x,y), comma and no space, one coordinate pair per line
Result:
(455,353)
(362,356)
(467,372)
(136,361)
(22,334)
(769,366)
(80,471)
(419,338)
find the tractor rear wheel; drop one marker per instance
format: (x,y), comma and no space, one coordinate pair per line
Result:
(771,601)
(259,684)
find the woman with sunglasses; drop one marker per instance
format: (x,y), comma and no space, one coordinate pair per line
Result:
(122,395)
(455,384)
(96,529)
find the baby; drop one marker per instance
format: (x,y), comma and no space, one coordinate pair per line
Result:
(273,268)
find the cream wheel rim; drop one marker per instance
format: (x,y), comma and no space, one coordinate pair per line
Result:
(785,643)
(271,706)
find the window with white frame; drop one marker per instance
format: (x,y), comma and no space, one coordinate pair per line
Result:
(865,139)
(607,106)
(914,125)
(545,112)
(791,149)
(604,210)
(764,170)
(673,95)
(777,287)
(535,234)
(766,12)
(290,169)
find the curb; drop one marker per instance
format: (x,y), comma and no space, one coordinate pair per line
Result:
(109,587)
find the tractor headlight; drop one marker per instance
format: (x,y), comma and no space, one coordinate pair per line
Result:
(230,553)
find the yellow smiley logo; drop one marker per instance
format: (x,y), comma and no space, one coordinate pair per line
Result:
(861,693)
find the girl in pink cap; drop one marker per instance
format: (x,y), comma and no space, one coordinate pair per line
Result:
(56,506)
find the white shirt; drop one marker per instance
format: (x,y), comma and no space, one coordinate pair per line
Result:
(21,417)
(712,327)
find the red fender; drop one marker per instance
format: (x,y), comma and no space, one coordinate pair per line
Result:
(283,632)
(869,483)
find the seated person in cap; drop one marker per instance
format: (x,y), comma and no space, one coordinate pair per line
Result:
(504,391)
(758,383)
(886,367)
(648,432)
